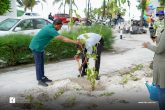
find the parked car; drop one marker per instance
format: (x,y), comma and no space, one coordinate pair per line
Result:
(64,17)
(28,25)
(30,14)
(86,21)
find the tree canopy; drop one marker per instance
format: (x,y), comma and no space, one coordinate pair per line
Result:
(4,6)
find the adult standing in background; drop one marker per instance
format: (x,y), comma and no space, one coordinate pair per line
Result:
(159,66)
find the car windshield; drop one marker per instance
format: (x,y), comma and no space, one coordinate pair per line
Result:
(8,24)
(35,14)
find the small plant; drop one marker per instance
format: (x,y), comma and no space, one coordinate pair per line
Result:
(129,75)
(29,98)
(134,78)
(43,97)
(107,94)
(92,105)
(58,93)
(38,105)
(125,79)
(91,72)
(91,76)
(70,102)
(136,68)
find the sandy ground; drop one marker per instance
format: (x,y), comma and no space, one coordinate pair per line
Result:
(116,90)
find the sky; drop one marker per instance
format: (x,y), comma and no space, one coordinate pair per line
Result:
(49,7)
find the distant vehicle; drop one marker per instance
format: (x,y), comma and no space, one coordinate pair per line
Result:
(29,25)
(30,14)
(86,21)
(65,18)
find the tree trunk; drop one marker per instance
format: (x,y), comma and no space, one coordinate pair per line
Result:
(64,6)
(70,9)
(103,10)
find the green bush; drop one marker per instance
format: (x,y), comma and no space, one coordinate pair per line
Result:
(104,31)
(4,6)
(14,49)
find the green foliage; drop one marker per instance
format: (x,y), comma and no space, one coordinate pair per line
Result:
(104,31)
(29,98)
(4,6)
(91,76)
(162,2)
(130,75)
(110,10)
(38,105)
(57,50)
(14,48)
(125,79)
(58,93)
(92,106)
(136,68)
(107,94)
(142,5)
(70,102)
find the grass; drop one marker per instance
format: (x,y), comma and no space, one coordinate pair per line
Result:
(29,98)
(107,94)
(92,105)
(129,76)
(58,93)
(14,48)
(70,102)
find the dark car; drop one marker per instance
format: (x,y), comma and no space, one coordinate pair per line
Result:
(65,18)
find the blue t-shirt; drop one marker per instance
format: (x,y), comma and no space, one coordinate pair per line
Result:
(43,37)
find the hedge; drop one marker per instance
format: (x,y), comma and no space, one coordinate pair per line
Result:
(14,48)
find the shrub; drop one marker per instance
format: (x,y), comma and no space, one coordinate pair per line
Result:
(14,48)
(104,31)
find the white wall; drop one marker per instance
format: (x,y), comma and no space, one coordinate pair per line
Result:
(12,13)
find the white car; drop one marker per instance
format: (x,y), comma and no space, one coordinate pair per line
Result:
(31,14)
(29,25)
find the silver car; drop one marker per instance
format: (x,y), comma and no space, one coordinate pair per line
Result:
(29,25)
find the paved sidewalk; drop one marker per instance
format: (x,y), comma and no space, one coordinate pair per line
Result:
(128,51)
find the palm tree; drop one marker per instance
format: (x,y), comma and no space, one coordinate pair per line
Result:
(118,2)
(142,6)
(104,6)
(29,4)
(64,3)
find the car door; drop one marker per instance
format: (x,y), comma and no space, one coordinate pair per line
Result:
(39,24)
(25,27)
